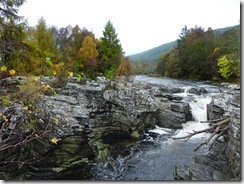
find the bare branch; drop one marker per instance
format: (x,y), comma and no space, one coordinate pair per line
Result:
(213,121)
(216,138)
(217,126)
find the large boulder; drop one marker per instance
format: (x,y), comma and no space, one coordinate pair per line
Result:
(214,111)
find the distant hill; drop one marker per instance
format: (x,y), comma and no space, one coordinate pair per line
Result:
(154,53)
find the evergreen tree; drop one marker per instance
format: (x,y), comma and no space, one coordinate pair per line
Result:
(11,33)
(44,37)
(184,32)
(9,8)
(110,50)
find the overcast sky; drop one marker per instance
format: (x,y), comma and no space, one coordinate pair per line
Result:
(140,24)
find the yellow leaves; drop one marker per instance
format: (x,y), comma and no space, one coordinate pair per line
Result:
(3,68)
(54,140)
(12,73)
(25,108)
(88,50)
(55,120)
(54,72)
(224,64)
(41,120)
(35,78)
(217,49)
(4,117)
(47,87)
(70,74)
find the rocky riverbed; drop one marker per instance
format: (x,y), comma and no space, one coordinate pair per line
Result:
(89,119)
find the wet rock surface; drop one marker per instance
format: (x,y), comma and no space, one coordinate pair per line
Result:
(223,162)
(94,115)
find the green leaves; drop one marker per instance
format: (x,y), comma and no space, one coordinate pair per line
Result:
(110,48)
(49,62)
(228,66)
(201,55)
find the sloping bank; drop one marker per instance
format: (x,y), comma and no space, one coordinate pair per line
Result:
(89,117)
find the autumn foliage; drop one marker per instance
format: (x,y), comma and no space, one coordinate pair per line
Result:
(125,67)
(203,55)
(50,51)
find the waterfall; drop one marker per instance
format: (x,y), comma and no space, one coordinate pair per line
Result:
(198,106)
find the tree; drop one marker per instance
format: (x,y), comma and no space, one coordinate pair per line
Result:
(172,68)
(125,67)
(110,50)
(75,41)
(88,50)
(44,37)
(61,38)
(229,62)
(184,32)
(41,39)
(89,54)
(194,52)
(11,33)
(161,64)
(9,8)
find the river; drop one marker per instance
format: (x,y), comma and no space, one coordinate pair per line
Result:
(155,156)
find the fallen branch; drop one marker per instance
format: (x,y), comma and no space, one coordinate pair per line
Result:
(218,126)
(213,121)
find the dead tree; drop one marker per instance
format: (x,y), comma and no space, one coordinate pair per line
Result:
(217,127)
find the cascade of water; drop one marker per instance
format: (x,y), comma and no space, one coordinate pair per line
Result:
(154,158)
(198,107)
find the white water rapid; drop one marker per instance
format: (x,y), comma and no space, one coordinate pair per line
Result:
(155,156)
(198,106)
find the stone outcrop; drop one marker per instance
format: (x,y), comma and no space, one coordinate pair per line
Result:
(223,162)
(90,116)
(86,116)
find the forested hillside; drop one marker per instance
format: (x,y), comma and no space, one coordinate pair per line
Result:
(154,53)
(203,55)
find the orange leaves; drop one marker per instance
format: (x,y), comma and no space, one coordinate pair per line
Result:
(125,67)
(12,73)
(88,50)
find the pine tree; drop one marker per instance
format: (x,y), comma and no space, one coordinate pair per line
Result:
(110,49)
(11,32)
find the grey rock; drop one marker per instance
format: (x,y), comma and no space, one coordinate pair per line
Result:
(181,172)
(197,91)
(214,111)
(177,90)
(170,119)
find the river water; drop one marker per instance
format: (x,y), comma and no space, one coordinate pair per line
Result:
(154,157)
